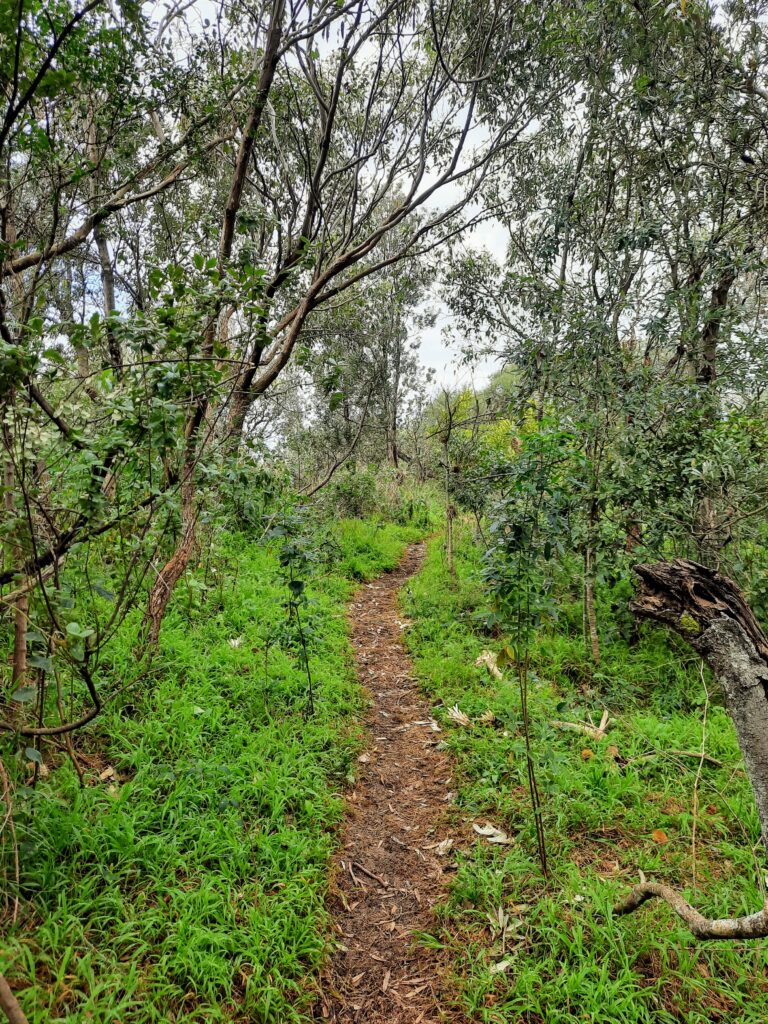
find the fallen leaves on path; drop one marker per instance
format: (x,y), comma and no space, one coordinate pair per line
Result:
(392,857)
(492,834)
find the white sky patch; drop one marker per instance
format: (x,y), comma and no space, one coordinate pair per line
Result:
(437,353)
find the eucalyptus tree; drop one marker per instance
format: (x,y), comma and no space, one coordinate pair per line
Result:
(182,188)
(102,352)
(631,304)
(359,376)
(629,301)
(686,197)
(378,130)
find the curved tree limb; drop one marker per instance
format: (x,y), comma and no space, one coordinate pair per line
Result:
(15,107)
(9,1004)
(710,612)
(346,455)
(753,926)
(119,200)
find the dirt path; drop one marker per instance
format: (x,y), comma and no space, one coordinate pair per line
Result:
(388,874)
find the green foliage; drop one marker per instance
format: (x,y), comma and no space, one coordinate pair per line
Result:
(352,493)
(374,492)
(534,518)
(163,270)
(611,807)
(364,548)
(186,881)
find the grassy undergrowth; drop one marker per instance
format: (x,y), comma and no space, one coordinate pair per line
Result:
(611,808)
(185,882)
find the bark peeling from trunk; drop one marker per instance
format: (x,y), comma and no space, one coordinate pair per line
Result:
(710,612)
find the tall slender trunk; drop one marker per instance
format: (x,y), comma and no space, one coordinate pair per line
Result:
(197,430)
(708,533)
(591,638)
(392,453)
(108,298)
(21,607)
(450,515)
(450,508)
(105,257)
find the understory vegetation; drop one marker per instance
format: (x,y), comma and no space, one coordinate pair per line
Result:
(286,286)
(185,878)
(663,792)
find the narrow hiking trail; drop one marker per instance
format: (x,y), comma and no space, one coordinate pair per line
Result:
(387,873)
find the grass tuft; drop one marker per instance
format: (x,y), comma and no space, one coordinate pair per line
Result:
(611,808)
(188,883)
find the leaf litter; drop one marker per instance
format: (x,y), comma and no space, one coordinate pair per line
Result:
(393,855)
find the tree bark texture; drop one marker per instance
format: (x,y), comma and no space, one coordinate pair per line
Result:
(711,613)
(10,1005)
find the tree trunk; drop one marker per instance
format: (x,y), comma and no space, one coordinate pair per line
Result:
(10,1005)
(392,453)
(21,608)
(450,514)
(710,612)
(173,570)
(706,370)
(21,615)
(102,248)
(709,535)
(393,413)
(108,294)
(450,508)
(591,638)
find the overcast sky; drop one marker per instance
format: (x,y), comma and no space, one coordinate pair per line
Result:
(435,350)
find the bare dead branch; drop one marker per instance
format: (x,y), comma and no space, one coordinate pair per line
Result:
(9,1004)
(753,926)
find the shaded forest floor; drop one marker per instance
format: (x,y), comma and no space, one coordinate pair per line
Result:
(234,858)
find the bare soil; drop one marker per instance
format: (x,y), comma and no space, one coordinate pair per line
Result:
(388,872)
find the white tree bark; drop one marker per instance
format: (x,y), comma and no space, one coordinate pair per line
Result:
(710,612)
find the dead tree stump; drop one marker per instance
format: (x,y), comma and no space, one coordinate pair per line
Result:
(709,611)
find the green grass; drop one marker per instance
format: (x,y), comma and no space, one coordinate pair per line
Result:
(568,958)
(191,888)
